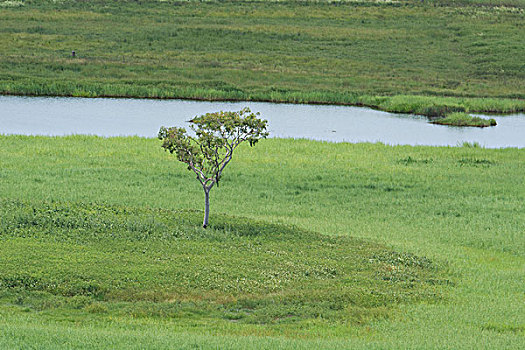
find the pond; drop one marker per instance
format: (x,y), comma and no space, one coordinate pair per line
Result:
(144,117)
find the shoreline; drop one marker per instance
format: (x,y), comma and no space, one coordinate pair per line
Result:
(394,107)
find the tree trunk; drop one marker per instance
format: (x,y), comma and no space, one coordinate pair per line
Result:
(206,208)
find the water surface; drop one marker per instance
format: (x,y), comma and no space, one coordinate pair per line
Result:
(125,117)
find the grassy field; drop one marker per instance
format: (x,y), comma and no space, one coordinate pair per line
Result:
(412,247)
(401,56)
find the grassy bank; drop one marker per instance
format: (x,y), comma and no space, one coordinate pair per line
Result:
(402,56)
(101,247)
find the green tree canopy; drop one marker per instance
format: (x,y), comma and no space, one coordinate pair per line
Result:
(217,135)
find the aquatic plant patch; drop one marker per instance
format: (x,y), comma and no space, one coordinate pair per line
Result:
(464,119)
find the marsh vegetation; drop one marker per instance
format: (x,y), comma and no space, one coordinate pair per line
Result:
(315,244)
(464,119)
(407,242)
(404,56)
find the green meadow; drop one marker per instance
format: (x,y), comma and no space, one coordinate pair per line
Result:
(311,245)
(399,56)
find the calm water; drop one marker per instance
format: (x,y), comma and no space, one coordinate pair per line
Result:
(119,117)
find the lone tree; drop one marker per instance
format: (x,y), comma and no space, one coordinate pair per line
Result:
(211,149)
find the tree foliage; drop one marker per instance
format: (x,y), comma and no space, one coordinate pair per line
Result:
(217,135)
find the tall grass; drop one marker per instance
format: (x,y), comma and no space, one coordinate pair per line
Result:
(460,207)
(424,105)
(402,56)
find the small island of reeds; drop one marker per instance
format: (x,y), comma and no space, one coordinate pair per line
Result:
(464,119)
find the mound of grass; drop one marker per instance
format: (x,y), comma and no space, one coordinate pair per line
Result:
(464,119)
(120,261)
